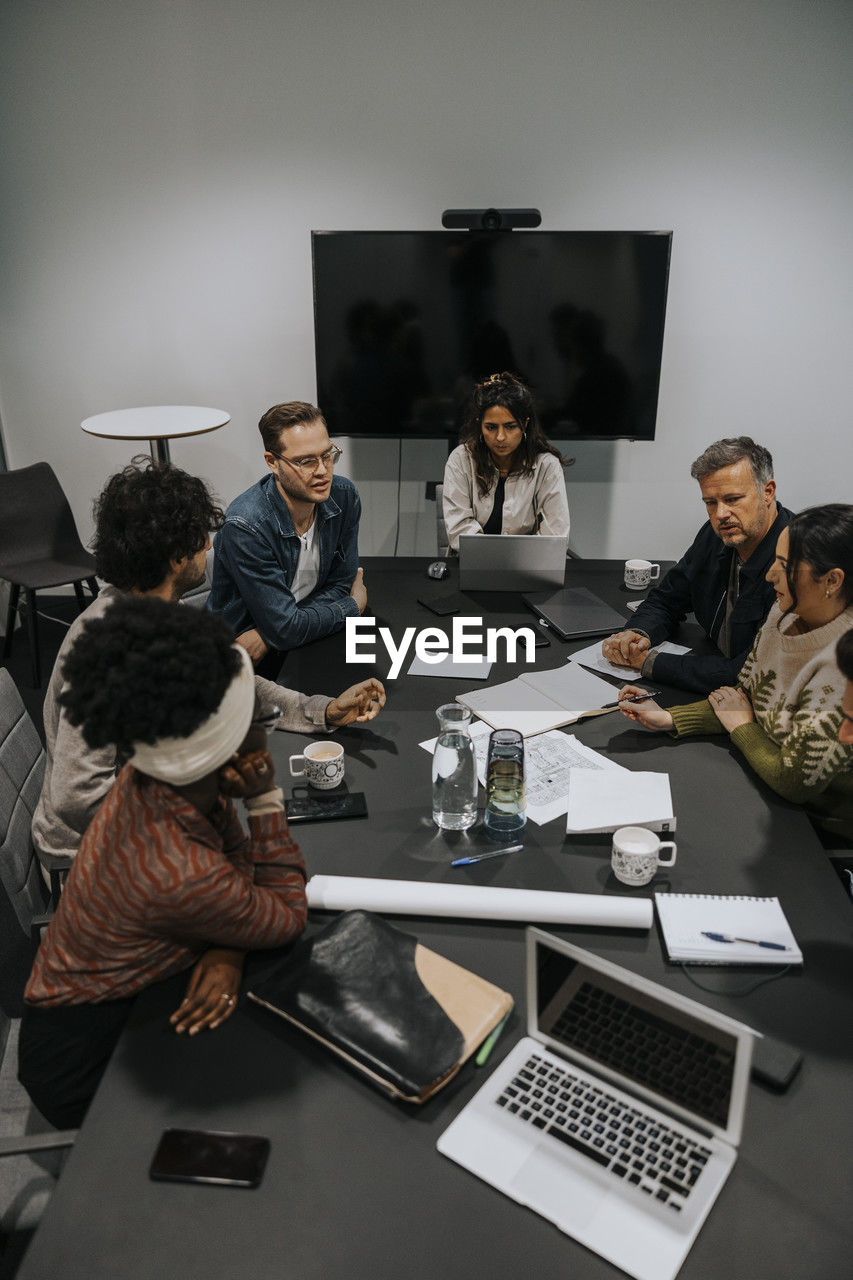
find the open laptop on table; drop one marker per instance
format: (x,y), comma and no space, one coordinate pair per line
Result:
(618,1116)
(511,561)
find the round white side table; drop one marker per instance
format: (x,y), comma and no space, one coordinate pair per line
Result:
(156,424)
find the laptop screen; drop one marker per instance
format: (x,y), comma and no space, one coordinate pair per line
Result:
(667,1051)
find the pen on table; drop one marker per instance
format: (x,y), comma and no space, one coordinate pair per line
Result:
(724,937)
(481,857)
(639,697)
(490,1041)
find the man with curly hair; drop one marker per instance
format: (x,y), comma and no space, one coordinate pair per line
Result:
(152,535)
(165,878)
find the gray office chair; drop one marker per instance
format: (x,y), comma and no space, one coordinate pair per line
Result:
(21,776)
(26,1179)
(39,548)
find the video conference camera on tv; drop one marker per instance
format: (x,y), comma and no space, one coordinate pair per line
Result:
(489,219)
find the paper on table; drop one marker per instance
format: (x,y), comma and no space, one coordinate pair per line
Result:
(600,800)
(476,902)
(548,758)
(475,670)
(592,656)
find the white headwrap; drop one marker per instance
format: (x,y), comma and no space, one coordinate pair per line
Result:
(180,761)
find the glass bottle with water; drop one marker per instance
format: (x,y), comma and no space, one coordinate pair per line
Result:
(454,770)
(506,807)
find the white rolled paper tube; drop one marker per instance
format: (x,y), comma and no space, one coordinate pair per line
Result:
(476,902)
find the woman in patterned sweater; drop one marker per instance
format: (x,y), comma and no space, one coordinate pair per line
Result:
(166,879)
(785,714)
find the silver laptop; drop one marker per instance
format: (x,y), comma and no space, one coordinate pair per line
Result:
(511,561)
(618,1116)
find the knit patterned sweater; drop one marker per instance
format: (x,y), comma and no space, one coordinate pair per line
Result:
(795,689)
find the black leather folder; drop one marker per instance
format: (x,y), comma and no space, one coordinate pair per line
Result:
(402,1015)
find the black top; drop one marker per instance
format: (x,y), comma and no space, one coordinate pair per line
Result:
(699,584)
(494,524)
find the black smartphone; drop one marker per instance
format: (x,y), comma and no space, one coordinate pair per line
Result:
(218,1159)
(310,808)
(442,605)
(775,1063)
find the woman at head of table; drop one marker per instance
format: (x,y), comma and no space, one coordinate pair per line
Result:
(785,714)
(504,476)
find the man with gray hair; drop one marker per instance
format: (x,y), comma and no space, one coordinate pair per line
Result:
(720,579)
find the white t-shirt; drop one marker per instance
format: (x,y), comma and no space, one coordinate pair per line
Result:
(308,566)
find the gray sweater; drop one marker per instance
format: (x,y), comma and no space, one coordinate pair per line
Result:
(76,777)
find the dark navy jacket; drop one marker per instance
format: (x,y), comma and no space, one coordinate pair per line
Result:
(698,584)
(256,554)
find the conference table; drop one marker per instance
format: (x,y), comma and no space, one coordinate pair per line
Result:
(354,1186)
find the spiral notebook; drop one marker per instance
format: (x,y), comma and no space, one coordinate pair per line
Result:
(685,919)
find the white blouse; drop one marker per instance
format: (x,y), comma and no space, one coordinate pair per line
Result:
(534,503)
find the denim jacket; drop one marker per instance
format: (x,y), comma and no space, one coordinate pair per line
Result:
(256,554)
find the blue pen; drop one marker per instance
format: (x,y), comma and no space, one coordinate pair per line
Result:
(481,857)
(723,937)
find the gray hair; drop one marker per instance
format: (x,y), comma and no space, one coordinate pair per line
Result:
(726,453)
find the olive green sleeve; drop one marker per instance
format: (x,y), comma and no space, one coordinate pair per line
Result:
(693,718)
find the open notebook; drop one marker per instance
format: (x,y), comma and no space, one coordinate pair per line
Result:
(540,700)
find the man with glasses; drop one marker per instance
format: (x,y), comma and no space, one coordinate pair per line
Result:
(286,559)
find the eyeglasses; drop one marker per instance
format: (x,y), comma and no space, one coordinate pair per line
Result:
(309,465)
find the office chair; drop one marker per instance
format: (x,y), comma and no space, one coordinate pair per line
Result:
(26,1181)
(39,548)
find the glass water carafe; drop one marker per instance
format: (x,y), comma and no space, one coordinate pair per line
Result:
(454,770)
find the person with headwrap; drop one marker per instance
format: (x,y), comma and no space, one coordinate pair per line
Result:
(165,878)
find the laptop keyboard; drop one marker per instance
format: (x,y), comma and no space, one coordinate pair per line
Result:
(627,1141)
(688,1068)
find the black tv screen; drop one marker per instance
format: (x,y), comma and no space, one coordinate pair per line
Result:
(405,323)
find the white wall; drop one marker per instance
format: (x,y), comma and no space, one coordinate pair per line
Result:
(165,161)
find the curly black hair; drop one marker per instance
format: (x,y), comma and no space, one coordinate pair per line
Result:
(147,669)
(508,391)
(146,516)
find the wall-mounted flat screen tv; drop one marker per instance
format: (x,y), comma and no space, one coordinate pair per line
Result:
(406,322)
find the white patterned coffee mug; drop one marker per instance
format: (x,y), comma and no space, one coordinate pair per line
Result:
(636,854)
(322,765)
(639,573)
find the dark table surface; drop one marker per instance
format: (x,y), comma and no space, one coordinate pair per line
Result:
(354,1186)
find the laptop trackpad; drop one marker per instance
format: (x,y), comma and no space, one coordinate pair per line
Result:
(555,1190)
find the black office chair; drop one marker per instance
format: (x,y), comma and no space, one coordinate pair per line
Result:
(39,548)
(26,1181)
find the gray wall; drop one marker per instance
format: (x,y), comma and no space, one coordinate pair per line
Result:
(165,161)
